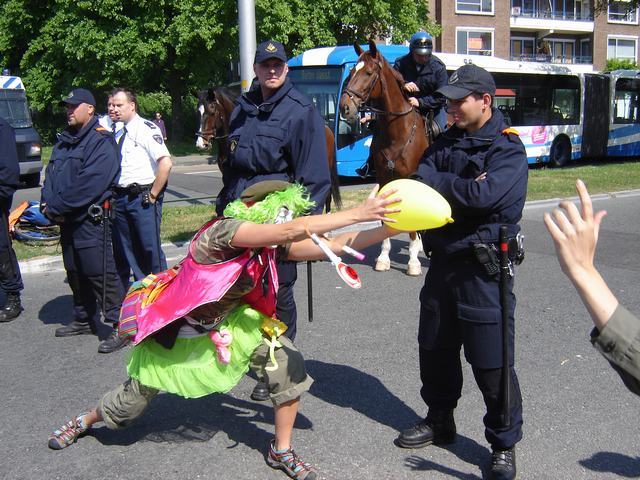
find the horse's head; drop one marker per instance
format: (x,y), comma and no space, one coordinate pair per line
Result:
(212,118)
(363,83)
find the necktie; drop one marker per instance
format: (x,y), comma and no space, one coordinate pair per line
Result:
(113,128)
(123,133)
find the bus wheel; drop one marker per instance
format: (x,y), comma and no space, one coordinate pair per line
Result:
(560,152)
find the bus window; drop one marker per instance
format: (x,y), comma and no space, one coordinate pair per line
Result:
(536,100)
(321,85)
(625,104)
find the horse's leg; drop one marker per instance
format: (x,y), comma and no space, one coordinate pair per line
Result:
(414,268)
(383,262)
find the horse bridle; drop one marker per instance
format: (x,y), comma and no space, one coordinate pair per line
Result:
(365,98)
(218,115)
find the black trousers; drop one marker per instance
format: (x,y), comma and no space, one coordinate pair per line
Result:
(460,306)
(10,277)
(286,310)
(83,245)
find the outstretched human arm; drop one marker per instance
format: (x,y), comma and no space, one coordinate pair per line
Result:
(251,235)
(575,235)
(617,332)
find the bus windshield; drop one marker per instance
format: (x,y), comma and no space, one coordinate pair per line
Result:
(322,85)
(14,108)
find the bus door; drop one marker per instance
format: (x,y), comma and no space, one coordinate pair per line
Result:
(595,130)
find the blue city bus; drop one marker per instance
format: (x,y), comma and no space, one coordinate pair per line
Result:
(563,113)
(320,74)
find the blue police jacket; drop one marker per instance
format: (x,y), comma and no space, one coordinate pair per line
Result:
(278,139)
(9,167)
(479,208)
(428,78)
(83,168)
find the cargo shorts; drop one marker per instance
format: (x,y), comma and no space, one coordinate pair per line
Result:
(122,405)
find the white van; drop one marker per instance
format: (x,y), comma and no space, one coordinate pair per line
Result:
(14,108)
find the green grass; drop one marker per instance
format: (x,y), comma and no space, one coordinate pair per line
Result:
(177,149)
(180,223)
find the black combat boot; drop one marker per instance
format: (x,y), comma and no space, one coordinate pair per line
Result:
(439,428)
(503,464)
(12,308)
(112,343)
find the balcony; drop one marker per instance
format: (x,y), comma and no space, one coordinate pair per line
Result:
(545,19)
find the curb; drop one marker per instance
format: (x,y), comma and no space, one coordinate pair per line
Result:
(174,251)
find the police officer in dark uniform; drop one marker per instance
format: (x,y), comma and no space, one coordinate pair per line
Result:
(275,134)
(424,74)
(10,278)
(480,167)
(79,179)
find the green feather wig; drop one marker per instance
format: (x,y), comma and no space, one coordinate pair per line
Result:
(295,198)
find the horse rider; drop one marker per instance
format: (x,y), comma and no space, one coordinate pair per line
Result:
(146,164)
(423,73)
(275,133)
(79,178)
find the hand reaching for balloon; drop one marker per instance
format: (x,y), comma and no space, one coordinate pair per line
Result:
(377,207)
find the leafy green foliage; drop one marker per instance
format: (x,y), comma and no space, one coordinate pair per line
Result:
(167,49)
(617,64)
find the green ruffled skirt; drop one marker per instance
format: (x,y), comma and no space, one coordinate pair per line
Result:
(191,368)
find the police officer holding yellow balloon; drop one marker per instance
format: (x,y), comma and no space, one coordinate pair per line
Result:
(480,167)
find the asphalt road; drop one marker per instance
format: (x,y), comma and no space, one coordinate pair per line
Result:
(580,422)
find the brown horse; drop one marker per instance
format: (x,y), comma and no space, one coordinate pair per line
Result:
(215,106)
(400,139)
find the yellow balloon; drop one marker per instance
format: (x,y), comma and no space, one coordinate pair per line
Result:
(422,207)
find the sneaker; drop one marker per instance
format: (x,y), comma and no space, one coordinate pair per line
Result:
(111,344)
(503,464)
(67,434)
(260,392)
(291,464)
(76,328)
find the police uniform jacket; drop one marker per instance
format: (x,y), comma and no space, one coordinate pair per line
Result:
(83,168)
(451,165)
(278,139)
(9,167)
(428,78)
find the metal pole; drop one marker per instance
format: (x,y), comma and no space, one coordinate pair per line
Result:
(247,31)
(504,304)
(310,291)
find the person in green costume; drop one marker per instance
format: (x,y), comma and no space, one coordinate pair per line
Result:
(182,358)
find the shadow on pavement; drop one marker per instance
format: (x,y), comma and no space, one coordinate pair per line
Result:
(172,419)
(343,386)
(465,449)
(612,462)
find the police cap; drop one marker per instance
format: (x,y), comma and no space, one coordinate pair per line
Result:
(258,191)
(466,80)
(270,49)
(78,96)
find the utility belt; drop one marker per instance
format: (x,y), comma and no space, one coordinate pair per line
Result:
(133,189)
(488,255)
(98,213)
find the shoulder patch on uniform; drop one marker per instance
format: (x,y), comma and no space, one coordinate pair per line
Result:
(150,124)
(158,139)
(103,131)
(509,130)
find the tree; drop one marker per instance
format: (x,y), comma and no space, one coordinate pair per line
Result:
(172,46)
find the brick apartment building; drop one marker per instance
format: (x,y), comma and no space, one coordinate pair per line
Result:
(556,31)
